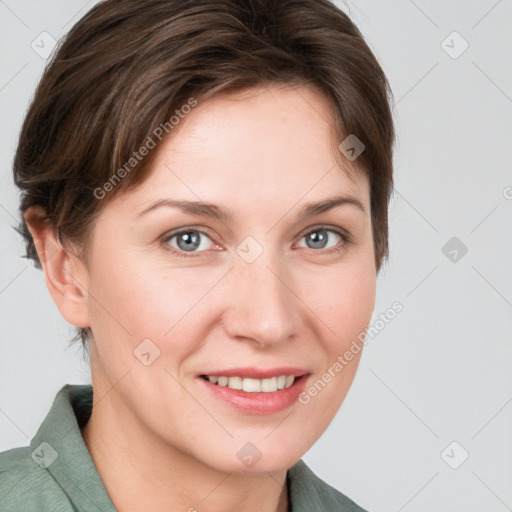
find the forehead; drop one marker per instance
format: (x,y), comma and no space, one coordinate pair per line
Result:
(266,146)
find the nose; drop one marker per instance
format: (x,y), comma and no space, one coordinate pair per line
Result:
(262,303)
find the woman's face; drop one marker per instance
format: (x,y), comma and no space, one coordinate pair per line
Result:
(264,291)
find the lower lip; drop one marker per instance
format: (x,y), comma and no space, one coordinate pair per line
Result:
(258,403)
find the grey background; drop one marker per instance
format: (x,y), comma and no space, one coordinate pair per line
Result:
(441,370)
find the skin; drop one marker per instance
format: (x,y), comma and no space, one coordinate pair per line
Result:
(158,439)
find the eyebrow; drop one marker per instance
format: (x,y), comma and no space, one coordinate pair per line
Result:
(220,213)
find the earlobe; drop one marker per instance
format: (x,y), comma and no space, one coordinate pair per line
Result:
(65,275)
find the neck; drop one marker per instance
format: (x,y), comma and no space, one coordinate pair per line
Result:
(156,476)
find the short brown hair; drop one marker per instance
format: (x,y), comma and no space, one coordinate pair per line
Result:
(127,66)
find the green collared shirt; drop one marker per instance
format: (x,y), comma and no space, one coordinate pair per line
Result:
(56,473)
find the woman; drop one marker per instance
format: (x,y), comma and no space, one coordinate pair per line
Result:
(205,186)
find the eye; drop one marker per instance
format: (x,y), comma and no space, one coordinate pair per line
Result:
(190,241)
(320,236)
(187,241)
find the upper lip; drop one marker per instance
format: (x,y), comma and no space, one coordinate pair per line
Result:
(258,373)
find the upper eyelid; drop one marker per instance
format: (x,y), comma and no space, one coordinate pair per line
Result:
(170,234)
(327,227)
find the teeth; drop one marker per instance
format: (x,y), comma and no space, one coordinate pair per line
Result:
(235,382)
(254,385)
(269,385)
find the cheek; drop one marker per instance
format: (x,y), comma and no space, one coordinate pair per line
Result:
(359,298)
(344,301)
(345,304)
(138,298)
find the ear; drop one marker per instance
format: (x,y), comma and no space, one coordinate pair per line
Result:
(66,276)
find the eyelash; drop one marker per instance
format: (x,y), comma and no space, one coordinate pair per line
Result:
(345,237)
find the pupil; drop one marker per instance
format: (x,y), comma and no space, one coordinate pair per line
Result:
(318,238)
(191,240)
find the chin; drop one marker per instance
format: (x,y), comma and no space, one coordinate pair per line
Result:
(249,460)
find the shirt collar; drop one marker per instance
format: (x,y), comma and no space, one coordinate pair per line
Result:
(60,447)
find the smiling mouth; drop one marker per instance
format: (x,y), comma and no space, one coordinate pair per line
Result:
(276,391)
(250,385)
